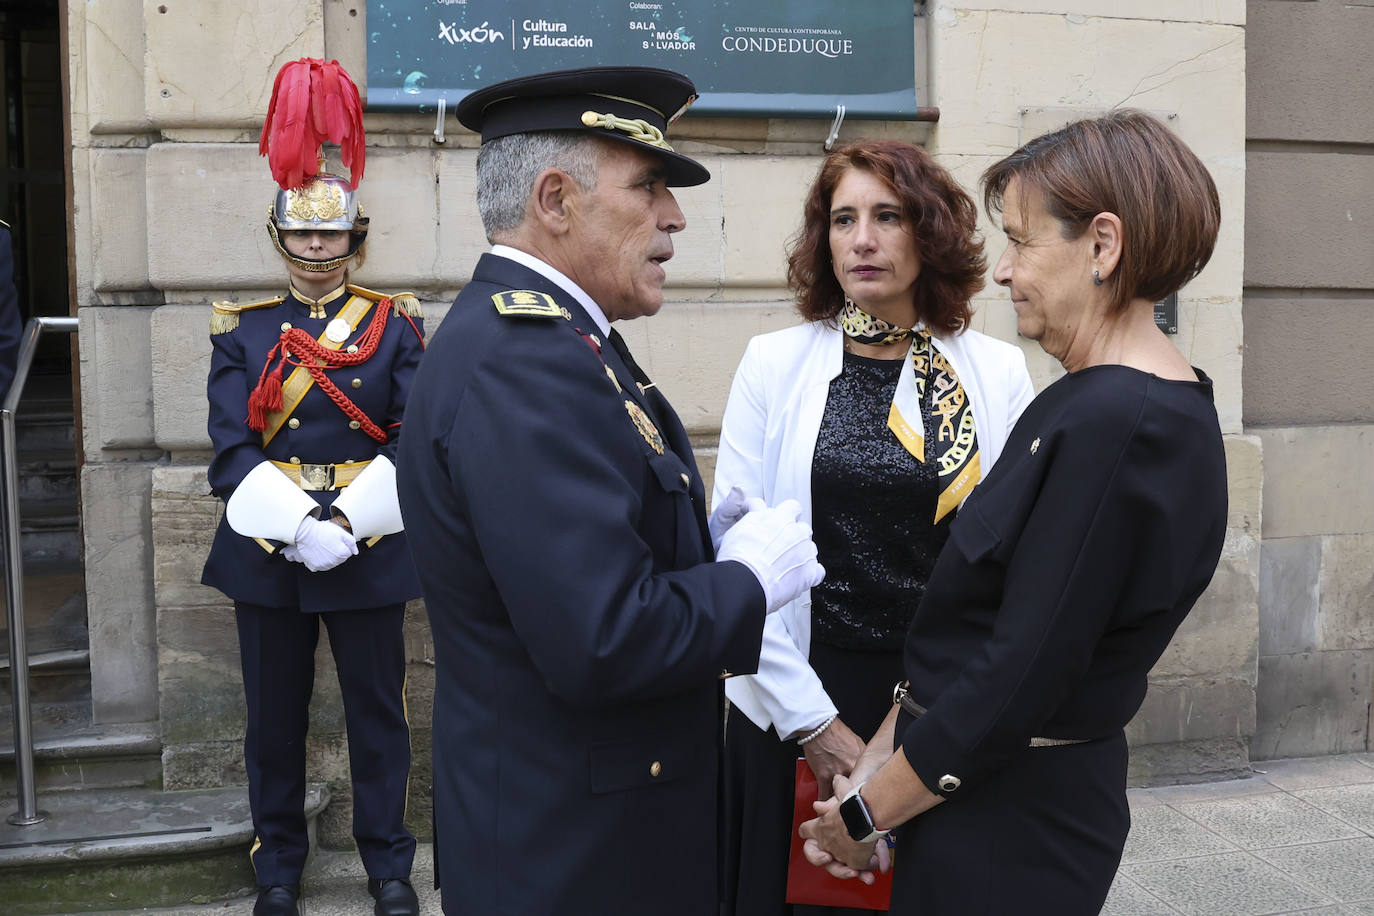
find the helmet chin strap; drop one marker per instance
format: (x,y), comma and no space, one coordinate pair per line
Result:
(308,264)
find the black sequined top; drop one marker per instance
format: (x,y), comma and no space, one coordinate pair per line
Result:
(872,505)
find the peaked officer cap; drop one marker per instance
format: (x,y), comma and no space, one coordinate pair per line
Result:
(633,105)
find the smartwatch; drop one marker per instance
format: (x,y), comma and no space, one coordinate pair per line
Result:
(858,820)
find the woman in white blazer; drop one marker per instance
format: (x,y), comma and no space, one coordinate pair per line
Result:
(878,415)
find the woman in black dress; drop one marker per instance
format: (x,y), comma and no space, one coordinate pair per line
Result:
(1070,567)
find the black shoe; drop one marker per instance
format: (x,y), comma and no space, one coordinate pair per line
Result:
(278,900)
(394,896)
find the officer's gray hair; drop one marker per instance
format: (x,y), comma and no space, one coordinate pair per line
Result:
(507,167)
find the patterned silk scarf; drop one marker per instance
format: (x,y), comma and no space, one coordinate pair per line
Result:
(956,441)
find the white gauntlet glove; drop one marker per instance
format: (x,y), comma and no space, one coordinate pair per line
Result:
(730,510)
(323,545)
(778,550)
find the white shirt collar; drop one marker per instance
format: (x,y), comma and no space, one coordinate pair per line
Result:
(555,276)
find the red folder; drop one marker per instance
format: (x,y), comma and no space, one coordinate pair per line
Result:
(812,886)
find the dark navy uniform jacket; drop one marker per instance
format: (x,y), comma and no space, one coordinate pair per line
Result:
(239,566)
(580,627)
(11,324)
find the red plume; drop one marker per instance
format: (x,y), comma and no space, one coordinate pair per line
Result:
(313,101)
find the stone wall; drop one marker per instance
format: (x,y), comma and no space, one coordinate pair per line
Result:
(1309,295)
(170,199)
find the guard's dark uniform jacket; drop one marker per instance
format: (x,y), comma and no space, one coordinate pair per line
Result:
(365,595)
(316,432)
(580,629)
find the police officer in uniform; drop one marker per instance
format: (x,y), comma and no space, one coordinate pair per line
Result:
(581,626)
(307,393)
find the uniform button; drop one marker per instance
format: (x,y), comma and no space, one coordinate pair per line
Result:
(655,768)
(293,423)
(352,348)
(949,783)
(354,424)
(286,325)
(357,383)
(686,480)
(295,460)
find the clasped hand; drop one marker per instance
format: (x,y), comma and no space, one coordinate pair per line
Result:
(321,545)
(828,844)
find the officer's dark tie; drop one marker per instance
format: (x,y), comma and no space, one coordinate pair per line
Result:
(659,408)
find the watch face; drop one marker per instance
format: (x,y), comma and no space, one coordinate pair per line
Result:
(856,818)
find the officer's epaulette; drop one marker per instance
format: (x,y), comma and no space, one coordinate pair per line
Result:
(528,303)
(225,314)
(401,303)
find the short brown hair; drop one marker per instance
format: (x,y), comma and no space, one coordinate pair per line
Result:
(1130,164)
(943,221)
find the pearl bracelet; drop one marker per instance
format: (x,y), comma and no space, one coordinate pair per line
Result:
(816,733)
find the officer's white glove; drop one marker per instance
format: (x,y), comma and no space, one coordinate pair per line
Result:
(323,545)
(778,550)
(291,553)
(731,509)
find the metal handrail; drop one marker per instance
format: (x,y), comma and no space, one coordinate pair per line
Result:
(28,812)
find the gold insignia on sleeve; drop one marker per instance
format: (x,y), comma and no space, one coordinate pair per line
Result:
(224,315)
(646,427)
(527,303)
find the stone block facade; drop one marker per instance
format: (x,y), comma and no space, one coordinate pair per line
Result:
(1309,292)
(170,198)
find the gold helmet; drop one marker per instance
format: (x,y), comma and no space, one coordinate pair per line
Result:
(324,202)
(313,102)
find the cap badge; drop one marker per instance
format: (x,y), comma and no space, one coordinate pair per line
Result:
(637,128)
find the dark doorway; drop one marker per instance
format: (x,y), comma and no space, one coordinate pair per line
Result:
(33,200)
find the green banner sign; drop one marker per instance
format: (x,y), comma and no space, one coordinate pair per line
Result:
(756,58)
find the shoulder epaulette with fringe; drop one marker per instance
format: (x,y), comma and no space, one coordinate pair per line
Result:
(224,316)
(401,303)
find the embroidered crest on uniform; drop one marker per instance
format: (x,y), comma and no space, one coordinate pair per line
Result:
(527,303)
(646,427)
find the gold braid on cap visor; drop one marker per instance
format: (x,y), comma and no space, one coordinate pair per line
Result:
(637,128)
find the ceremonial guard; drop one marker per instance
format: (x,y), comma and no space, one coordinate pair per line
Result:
(307,393)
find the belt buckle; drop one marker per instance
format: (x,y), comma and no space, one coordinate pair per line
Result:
(317,476)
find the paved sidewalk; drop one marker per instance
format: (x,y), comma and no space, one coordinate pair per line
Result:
(1295,837)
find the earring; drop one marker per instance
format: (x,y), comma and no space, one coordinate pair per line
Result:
(1097,281)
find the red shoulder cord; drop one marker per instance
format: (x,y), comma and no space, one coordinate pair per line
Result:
(298,348)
